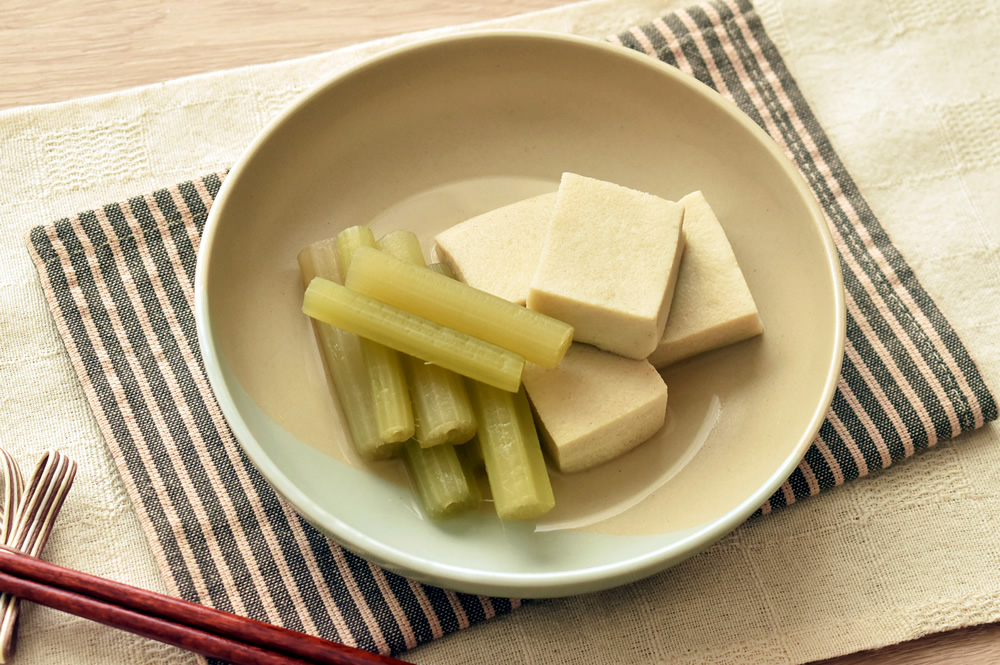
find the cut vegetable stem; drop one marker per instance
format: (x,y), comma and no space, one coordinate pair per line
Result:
(342,307)
(403,245)
(515,466)
(346,369)
(348,242)
(446,486)
(387,382)
(441,409)
(536,337)
(390,392)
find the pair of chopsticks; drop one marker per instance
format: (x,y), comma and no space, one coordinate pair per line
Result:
(203,630)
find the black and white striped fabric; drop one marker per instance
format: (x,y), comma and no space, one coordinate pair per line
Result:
(907,381)
(119,281)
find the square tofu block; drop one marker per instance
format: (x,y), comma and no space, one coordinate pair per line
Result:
(712,305)
(595,406)
(609,264)
(498,251)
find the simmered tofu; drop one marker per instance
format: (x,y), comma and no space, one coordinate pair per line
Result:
(712,305)
(498,251)
(595,406)
(609,264)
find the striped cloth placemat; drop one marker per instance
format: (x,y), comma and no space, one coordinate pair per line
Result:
(119,280)
(907,381)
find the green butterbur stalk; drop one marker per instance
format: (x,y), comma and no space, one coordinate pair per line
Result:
(445,485)
(345,366)
(347,242)
(339,306)
(387,380)
(515,466)
(403,245)
(441,409)
(536,337)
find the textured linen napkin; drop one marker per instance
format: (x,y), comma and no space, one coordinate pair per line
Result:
(118,281)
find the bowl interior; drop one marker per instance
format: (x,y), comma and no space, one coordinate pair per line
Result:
(430,135)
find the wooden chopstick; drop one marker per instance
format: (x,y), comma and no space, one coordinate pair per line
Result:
(179,635)
(203,630)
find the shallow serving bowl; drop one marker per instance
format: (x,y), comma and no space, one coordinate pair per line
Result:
(431,134)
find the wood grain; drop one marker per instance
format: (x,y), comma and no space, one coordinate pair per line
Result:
(60,49)
(978,645)
(55,50)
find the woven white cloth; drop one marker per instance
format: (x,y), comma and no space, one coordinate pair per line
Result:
(907,91)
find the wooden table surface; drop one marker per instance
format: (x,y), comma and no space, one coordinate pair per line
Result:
(58,50)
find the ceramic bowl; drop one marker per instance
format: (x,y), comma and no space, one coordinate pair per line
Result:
(431,134)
